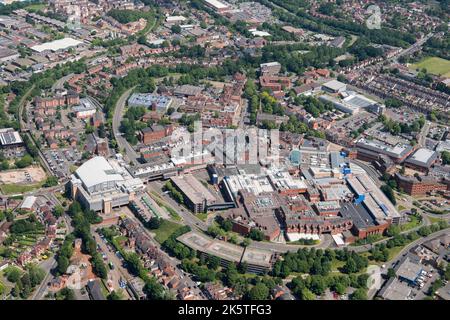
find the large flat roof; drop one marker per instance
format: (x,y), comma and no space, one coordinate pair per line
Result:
(193,189)
(422,157)
(395,290)
(9,136)
(203,243)
(397,151)
(96,171)
(334,85)
(409,270)
(257,257)
(225,250)
(56,45)
(217,4)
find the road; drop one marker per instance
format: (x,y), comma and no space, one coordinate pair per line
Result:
(408,247)
(423,134)
(119,271)
(47,265)
(59,84)
(130,153)
(413,48)
(174,262)
(22,103)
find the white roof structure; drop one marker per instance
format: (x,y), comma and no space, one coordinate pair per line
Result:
(98,171)
(334,85)
(8,137)
(175,18)
(270,64)
(217,4)
(56,45)
(258,33)
(423,157)
(28,202)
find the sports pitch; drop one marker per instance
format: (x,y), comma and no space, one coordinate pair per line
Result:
(434,65)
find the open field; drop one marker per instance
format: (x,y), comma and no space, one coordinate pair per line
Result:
(36,173)
(17,188)
(434,65)
(165,230)
(35,7)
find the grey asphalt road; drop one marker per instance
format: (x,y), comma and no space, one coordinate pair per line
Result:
(47,266)
(130,154)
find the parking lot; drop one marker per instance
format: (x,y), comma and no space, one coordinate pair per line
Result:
(62,160)
(427,277)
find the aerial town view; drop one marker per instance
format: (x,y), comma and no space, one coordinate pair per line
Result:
(224,150)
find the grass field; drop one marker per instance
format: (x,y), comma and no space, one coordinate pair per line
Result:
(35,7)
(17,188)
(202,216)
(165,230)
(434,65)
(415,222)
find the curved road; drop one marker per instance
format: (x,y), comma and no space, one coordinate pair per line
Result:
(123,144)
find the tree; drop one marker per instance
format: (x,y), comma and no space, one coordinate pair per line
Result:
(175,28)
(13,275)
(387,190)
(359,294)
(306,294)
(65,294)
(24,162)
(339,288)
(445,155)
(4,165)
(259,292)
(36,275)
(350,266)
(115,296)
(98,266)
(101,130)
(63,264)
(51,181)
(154,223)
(215,231)
(256,234)
(246,242)
(26,286)
(58,211)
(242,267)
(447,272)
(391,273)
(317,285)
(213,262)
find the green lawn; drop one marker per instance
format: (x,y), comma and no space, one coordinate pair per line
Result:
(35,7)
(202,216)
(17,188)
(415,222)
(434,65)
(434,220)
(165,230)
(160,202)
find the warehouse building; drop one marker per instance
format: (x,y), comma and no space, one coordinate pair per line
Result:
(334,86)
(9,138)
(57,45)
